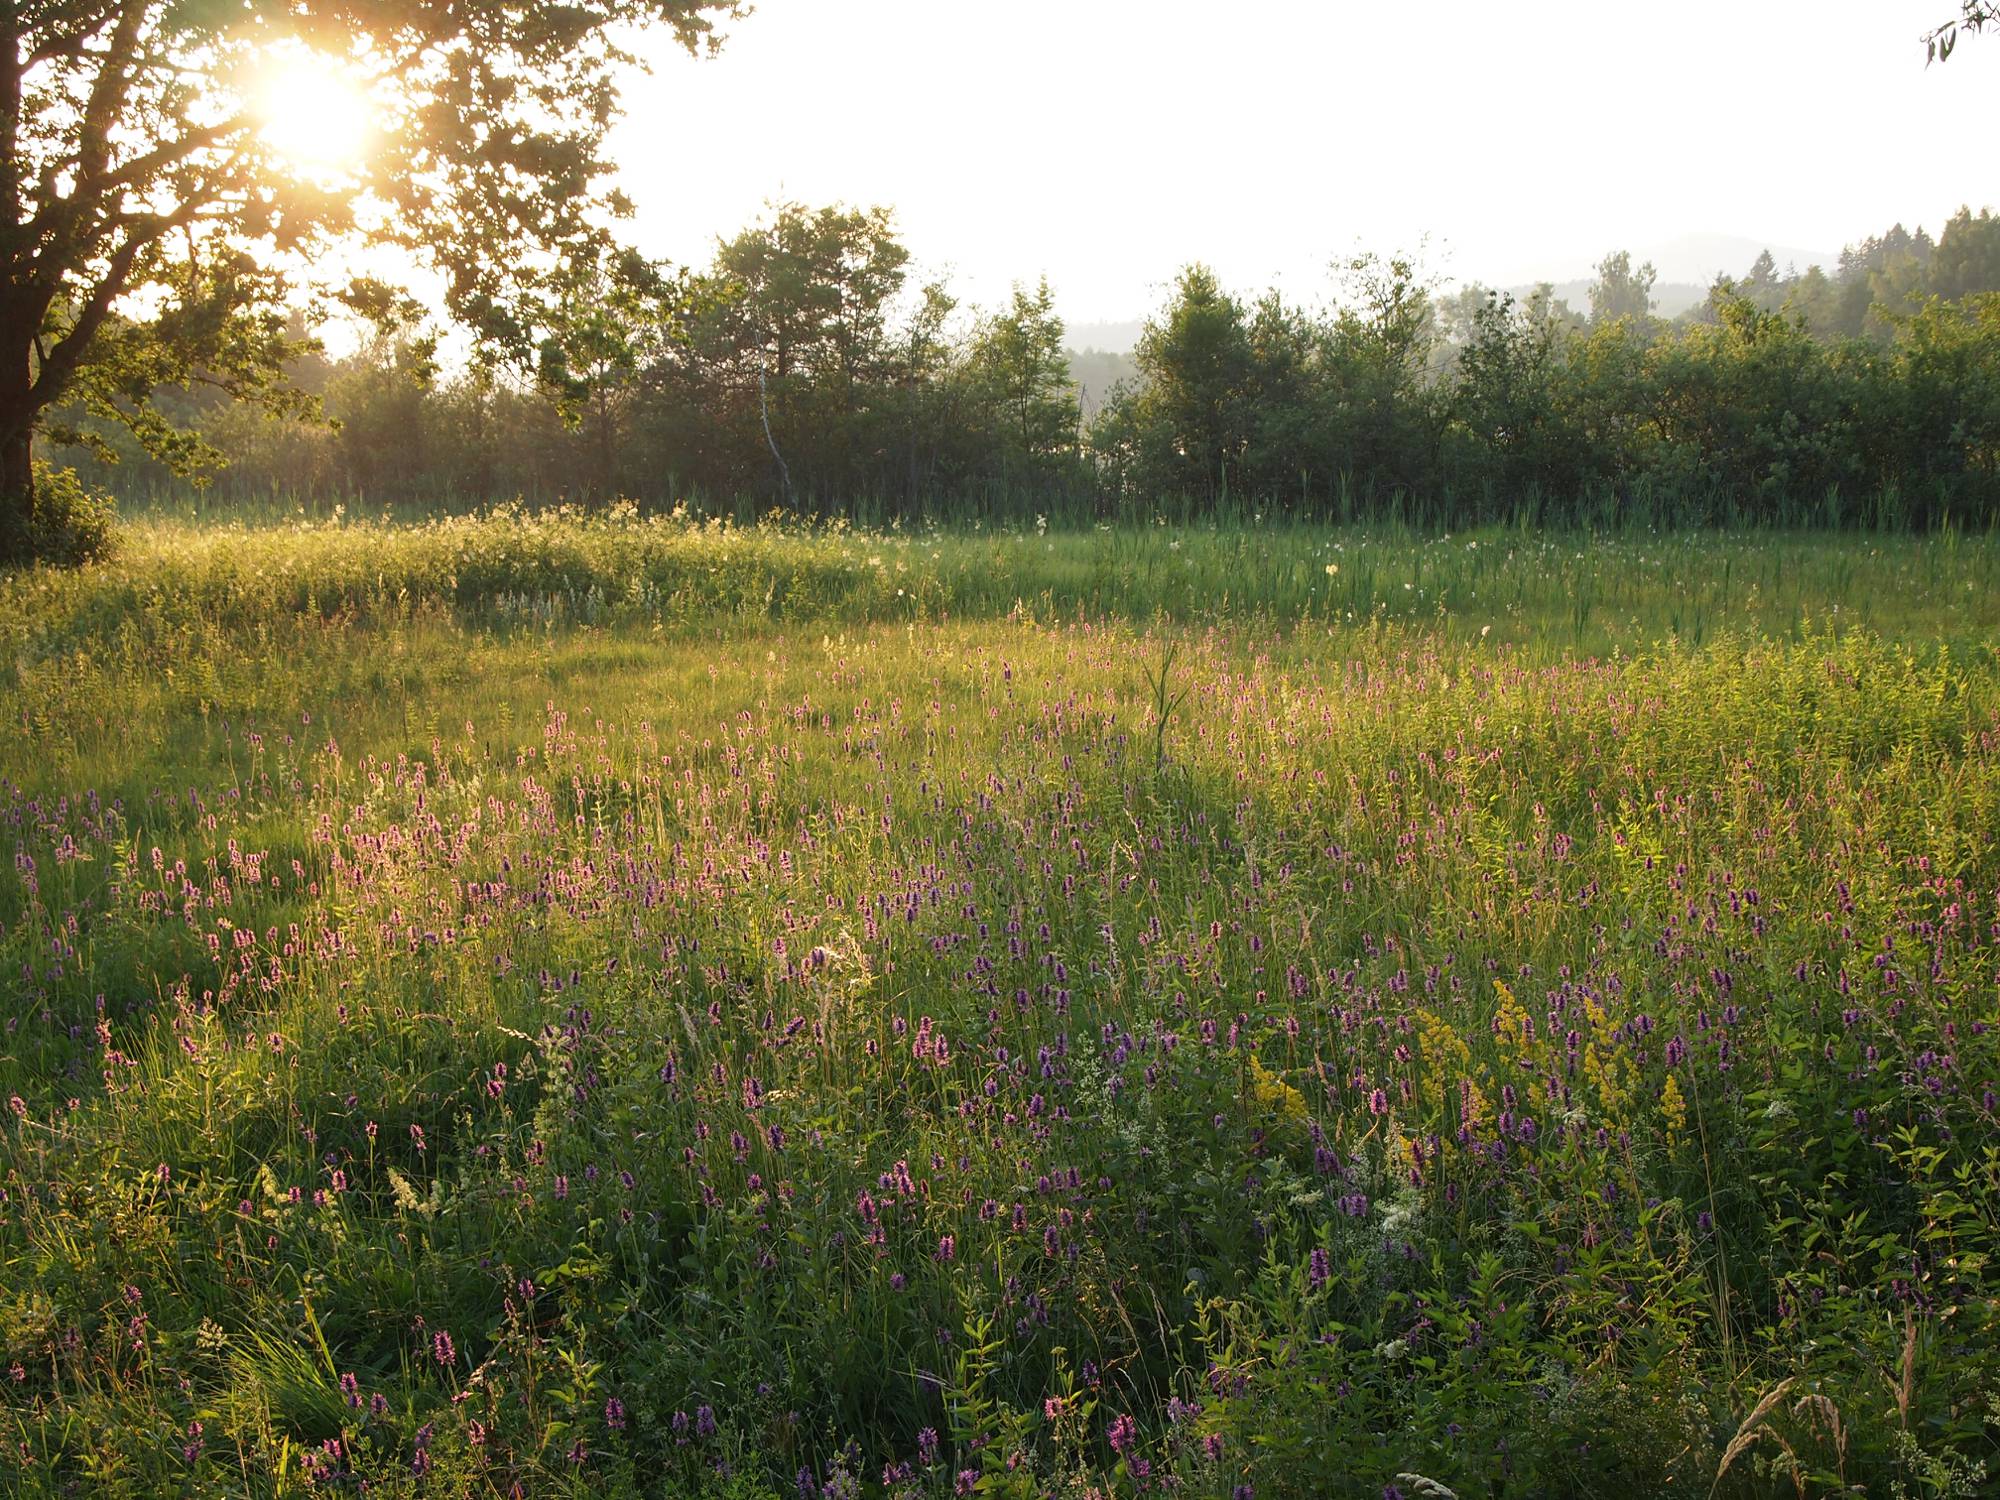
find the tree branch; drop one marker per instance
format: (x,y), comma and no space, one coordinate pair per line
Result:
(70,44)
(107,93)
(78,224)
(61,362)
(1976,16)
(11,73)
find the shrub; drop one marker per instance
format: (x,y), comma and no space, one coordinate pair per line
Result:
(66,524)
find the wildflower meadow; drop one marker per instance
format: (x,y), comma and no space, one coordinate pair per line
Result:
(546,1004)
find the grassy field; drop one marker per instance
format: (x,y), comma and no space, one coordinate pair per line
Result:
(545,1004)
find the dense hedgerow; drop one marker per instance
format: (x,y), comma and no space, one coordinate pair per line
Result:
(866,1053)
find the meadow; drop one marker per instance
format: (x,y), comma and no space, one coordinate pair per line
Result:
(613,1004)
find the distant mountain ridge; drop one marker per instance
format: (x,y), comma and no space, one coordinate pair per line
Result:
(1687,265)
(1700,258)
(1111,338)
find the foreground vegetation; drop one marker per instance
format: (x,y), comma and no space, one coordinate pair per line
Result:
(545,1005)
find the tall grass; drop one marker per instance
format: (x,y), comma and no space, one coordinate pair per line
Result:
(618,1006)
(509,566)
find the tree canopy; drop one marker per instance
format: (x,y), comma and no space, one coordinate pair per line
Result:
(152,229)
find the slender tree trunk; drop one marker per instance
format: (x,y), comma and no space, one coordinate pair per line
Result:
(784,469)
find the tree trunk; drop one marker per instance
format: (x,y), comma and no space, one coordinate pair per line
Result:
(17,435)
(17,491)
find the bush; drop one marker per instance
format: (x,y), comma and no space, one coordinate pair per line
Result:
(66,526)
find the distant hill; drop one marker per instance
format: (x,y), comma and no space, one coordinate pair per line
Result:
(1699,258)
(1687,267)
(1114,338)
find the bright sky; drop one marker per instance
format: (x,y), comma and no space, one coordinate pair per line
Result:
(1107,142)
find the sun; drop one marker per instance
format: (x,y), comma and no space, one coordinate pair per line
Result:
(314,114)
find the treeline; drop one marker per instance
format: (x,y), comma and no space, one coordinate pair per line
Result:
(1741,413)
(808,369)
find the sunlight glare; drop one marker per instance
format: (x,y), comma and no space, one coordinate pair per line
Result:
(314,115)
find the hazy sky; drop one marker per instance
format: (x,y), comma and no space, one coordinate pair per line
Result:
(1106,142)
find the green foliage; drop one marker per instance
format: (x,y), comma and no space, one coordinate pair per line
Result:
(66,524)
(1621,294)
(1746,414)
(1553,405)
(1020,380)
(806,373)
(1192,410)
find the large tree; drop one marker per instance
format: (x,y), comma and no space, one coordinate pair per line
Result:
(806,319)
(152,229)
(1621,293)
(1022,377)
(1195,362)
